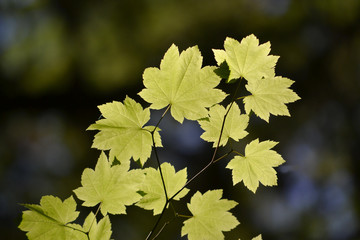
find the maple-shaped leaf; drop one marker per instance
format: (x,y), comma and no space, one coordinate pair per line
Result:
(114,187)
(210,218)
(122,131)
(183,84)
(97,230)
(269,96)
(257,165)
(247,59)
(153,188)
(52,220)
(234,127)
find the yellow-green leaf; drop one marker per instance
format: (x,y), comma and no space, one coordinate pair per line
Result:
(269,96)
(234,126)
(257,165)
(114,187)
(210,218)
(122,131)
(182,83)
(152,186)
(247,59)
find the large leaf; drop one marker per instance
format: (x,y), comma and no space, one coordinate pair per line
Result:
(234,127)
(153,188)
(52,220)
(247,59)
(183,84)
(257,165)
(123,132)
(113,186)
(211,216)
(269,96)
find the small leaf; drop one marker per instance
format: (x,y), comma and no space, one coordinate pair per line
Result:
(269,95)
(234,127)
(113,186)
(247,59)
(211,216)
(183,84)
(152,186)
(51,220)
(257,165)
(123,132)
(97,230)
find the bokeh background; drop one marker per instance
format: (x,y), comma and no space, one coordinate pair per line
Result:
(60,59)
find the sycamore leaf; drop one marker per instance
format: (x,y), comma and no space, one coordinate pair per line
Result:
(52,220)
(183,84)
(257,165)
(211,216)
(152,186)
(269,95)
(234,127)
(114,187)
(247,59)
(123,132)
(97,230)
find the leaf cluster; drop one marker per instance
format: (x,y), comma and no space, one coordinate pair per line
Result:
(186,90)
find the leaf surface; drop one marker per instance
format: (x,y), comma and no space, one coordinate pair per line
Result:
(247,59)
(97,230)
(257,165)
(153,188)
(113,186)
(234,126)
(211,216)
(52,220)
(123,132)
(182,83)
(269,96)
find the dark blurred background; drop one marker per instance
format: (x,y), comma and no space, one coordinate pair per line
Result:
(60,59)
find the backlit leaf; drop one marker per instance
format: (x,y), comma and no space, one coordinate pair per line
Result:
(182,83)
(114,187)
(210,218)
(257,165)
(123,132)
(234,127)
(153,188)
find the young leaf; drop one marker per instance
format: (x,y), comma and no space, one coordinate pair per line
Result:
(211,216)
(257,165)
(123,131)
(247,59)
(183,84)
(97,230)
(234,127)
(153,188)
(269,95)
(51,220)
(114,187)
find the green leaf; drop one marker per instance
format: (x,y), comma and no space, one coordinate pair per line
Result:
(123,132)
(257,165)
(211,216)
(152,186)
(183,84)
(113,186)
(97,230)
(247,59)
(269,96)
(51,220)
(234,127)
